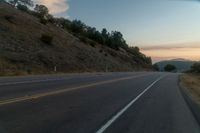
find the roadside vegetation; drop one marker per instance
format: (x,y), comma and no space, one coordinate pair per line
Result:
(191,81)
(170,68)
(32,41)
(113,39)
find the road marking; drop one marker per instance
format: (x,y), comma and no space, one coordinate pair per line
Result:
(115,117)
(31,81)
(37,81)
(24,98)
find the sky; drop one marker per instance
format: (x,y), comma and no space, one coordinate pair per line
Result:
(163,29)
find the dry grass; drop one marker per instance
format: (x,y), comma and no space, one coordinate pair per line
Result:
(22,49)
(192,83)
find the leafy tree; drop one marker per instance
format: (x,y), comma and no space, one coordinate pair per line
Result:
(169,68)
(77,26)
(90,32)
(98,37)
(118,40)
(2,1)
(42,10)
(156,67)
(134,50)
(105,36)
(63,23)
(104,33)
(148,60)
(23,2)
(22,7)
(196,67)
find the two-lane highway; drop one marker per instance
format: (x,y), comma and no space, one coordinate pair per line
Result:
(88,103)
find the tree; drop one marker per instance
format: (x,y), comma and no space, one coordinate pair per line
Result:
(23,2)
(63,23)
(105,35)
(196,67)
(2,1)
(117,40)
(156,67)
(169,68)
(22,7)
(77,26)
(42,10)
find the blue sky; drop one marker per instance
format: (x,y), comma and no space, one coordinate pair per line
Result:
(145,23)
(142,21)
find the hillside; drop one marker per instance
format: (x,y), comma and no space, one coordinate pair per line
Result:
(22,51)
(181,64)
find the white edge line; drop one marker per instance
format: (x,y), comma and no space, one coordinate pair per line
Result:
(115,117)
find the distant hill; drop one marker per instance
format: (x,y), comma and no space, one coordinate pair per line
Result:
(181,64)
(24,48)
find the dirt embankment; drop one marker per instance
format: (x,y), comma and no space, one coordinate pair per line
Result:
(22,51)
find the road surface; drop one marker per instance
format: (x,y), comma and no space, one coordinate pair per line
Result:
(143,102)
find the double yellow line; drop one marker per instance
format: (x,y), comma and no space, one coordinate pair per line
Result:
(36,96)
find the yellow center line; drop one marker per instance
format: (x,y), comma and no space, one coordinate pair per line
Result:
(36,96)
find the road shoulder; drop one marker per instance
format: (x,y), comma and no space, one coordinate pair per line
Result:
(189,85)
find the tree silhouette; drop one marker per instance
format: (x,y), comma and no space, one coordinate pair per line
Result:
(23,2)
(195,67)
(169,68)
(42,10)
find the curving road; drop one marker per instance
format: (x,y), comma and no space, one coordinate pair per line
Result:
(143,102)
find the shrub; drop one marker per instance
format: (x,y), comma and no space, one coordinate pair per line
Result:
(2,1)
(29,71)
(9,18)
(100,51)
(156,67)
(93,44)
(169,68)
(22,8)
(43,21)
(47,39)
(83,39)
(195,67)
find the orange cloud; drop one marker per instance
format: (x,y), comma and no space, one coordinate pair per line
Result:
(170,52)
(55,6)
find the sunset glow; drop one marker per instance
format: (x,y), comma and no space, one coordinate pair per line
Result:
(142,23)
(163,54)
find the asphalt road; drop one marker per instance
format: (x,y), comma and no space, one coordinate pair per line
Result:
(143,102)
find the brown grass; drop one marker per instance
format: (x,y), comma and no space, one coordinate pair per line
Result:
(23,51)
(192,84)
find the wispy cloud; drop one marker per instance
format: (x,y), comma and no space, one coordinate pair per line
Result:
(172,46)
(55,6)
(170,51)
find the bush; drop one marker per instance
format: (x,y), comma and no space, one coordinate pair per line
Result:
(195,67)
(83,39)
(156,67)
(47,39)
(9,18)
(43,21)
(169,68)
(2,1)
(22,8)
(100,51)
(93,44)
